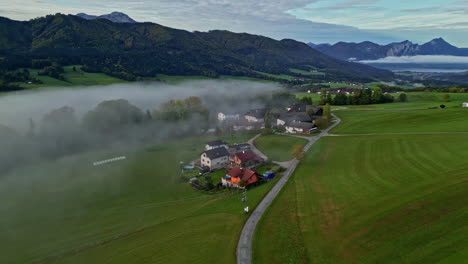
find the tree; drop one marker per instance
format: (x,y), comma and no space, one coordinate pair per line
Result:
(377,96)
(307,100)
(446,97)
(298,152)
(402,97)
(340,99)
(113,115)
(327,111)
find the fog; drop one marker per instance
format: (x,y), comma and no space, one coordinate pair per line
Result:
(17,108)
(435,59)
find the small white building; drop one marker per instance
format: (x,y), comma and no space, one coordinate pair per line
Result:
(300,128)
(256,115)
(228,116)
(465,104)
(216,144)
(215,158)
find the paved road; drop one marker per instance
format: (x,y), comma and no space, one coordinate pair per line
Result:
(255,149)
(244,247)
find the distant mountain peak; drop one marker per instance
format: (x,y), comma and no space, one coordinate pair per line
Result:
(116,17)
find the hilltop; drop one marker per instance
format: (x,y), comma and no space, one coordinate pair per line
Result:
(130,50)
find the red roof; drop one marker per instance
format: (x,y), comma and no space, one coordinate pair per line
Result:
(247,155)
(242,173)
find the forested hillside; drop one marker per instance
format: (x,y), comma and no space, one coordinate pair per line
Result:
(129,50)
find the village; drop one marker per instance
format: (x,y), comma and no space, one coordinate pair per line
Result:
(241,165)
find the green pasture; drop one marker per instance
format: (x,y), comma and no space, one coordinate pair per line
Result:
(277,147)
(73,78)
(306,72)
(372,199)
(400,121)
(137,210)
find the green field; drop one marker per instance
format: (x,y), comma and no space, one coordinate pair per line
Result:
(132,211)
(278,76)
(277,147)
(176,79)
(429,120)
(306,72)
(380,199)
(73,78)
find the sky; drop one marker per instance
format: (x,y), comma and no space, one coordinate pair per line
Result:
(317,21)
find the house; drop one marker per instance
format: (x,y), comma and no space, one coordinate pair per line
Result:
(305,108)
(247,159)
(223,116)
(215,144)
(245,125)
(295,127)
(297,108)
(255,115)
(238,176)
(465,104)
(293,117)
(215,158)
(236,148)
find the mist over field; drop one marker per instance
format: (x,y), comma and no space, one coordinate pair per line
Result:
(53,123)
(17,108)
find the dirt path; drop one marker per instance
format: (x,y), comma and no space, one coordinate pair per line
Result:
(244,247)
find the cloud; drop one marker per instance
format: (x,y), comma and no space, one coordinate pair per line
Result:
(421,59)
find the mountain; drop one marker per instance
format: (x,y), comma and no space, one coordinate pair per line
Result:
(116,17)
(371,51)
(130,50)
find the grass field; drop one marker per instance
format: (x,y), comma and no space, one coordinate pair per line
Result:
(133,211)
(306,72)
(278,76)
(176,79)
(429,120)
(380,199)
(277,147)
(73,78)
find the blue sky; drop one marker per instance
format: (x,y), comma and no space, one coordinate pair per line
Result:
(317,21)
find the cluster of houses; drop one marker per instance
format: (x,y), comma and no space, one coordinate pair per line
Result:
(238,159)
(296,118)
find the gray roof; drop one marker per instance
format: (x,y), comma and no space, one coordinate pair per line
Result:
(257,113)
(216,153)
(295,116)
(302,125)
(216,143)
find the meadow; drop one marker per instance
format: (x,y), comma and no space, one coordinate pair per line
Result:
(379,199)
(306,72)
(137,210)
(176,79)
(72,78)
(277,147)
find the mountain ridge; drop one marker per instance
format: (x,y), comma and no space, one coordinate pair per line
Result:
(130,50)
(116,17)
(371,51)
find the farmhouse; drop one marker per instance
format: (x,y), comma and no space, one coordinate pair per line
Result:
(236,148)
(300,127)
(293,117)
(245,125)
(305,108)
(215,144)
(247,159)
(255,115)
(223,116)
(215,158)
(239,177)
(465,104)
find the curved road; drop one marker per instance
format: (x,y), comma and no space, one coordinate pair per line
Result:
(244,247)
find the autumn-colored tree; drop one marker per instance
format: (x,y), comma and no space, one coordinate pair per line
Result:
(446,97)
